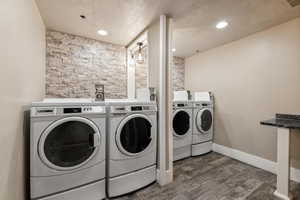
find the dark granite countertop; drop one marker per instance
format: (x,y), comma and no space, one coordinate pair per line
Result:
(283,120)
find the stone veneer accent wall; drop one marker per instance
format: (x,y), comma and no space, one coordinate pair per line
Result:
(178,73)
(141,72)
(75,64)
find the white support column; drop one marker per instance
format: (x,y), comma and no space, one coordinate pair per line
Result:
(169,76)
(283,163)
(165,171)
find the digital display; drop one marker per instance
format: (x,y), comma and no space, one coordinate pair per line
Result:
(180,105)
(72,110)
(204,104)
(136,108)
(45,111)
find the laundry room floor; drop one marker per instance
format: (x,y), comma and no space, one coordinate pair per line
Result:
(214,177)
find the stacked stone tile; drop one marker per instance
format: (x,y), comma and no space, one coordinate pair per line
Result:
(75,64)
(178,73)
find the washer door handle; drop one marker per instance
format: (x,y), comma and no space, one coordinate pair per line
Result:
(96,139)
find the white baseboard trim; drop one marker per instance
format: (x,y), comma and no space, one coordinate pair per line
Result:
(164,178)
(281,196)
(253,160)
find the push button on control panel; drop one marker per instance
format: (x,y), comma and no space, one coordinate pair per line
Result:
(87,109)
(93,109)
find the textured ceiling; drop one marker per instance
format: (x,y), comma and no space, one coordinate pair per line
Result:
(123,19)
(196,29)
(194,20)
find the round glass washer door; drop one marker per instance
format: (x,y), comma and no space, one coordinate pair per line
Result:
(181,123)
(204,120)
(69,143)
(134,135)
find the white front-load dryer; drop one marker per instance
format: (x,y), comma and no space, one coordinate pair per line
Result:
(132,143)
(67,151)
(182,129)
(203,117)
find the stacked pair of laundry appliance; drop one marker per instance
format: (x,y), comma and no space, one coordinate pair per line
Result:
(81,149)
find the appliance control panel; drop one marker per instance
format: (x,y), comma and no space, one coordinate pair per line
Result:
(203,104)
(182,105)
(72,110)
(133,108)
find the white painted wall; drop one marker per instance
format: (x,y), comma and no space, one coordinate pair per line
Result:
(252,79)
(22,80)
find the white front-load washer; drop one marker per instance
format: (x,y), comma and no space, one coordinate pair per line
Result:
(67,151)
(132,143)
(182,129)
(203,117)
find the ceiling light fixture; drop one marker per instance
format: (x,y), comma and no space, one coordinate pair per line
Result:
(173,49)
(222,24)
(102,32)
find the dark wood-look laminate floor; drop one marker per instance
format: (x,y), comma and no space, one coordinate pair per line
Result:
(214,177)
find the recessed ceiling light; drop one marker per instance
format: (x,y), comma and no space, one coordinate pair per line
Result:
(173,49)
(221,24)
(102,32)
